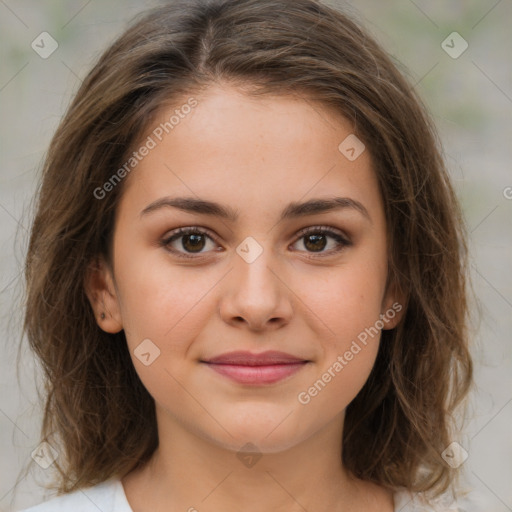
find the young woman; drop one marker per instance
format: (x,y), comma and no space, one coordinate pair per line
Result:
(247,273)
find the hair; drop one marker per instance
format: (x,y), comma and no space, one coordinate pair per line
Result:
(97,411)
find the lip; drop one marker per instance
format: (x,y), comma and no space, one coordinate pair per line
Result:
(244,358)
(256,369)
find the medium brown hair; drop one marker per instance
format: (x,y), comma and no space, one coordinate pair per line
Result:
(97,412)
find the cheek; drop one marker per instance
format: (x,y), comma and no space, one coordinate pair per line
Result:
(349,346)
(346,300)
(163,303)
(338,381)
(347,307)
(168,307)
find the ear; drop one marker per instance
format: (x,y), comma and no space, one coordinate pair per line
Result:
(393,306)
(100,290)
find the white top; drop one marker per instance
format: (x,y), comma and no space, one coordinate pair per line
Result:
(109,496)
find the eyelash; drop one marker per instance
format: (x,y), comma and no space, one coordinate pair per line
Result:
(323,230)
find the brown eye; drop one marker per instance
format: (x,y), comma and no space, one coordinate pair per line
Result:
(188,241)
(316,240)
(193,243)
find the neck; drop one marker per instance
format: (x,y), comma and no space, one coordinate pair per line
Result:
(189,472)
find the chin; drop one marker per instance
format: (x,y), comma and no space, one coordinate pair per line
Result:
(269,434)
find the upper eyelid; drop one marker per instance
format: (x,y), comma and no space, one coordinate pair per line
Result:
(326,229)
(183,231)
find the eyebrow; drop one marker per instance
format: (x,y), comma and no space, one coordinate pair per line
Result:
(293,210)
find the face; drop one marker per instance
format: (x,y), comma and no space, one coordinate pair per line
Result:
(270,275)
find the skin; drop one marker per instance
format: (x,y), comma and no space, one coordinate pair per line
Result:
(255,155)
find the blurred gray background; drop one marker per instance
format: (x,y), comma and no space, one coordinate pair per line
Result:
(470,97)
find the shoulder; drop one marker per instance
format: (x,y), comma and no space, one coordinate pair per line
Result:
(107,496)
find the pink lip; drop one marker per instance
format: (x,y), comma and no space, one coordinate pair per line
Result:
(247,368)
(244,358)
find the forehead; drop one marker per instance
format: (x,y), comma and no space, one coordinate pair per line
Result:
(250,151)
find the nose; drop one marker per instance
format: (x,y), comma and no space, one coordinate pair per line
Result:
(255,296)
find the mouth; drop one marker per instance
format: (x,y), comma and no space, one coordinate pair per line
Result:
(256,369)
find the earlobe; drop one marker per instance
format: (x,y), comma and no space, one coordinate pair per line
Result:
(100,290)
(394,306)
